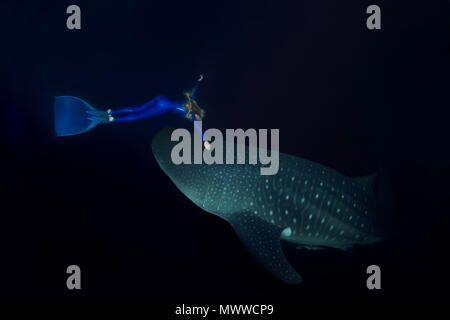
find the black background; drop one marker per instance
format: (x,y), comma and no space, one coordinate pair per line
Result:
(341,95)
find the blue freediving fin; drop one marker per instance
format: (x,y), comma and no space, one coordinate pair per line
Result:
(74,116)
(263,241)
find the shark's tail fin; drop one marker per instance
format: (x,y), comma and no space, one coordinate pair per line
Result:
(74,116)
(380,185)
(384,200)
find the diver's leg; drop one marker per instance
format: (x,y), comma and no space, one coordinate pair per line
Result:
(157,106)
(148,105)
(121,111)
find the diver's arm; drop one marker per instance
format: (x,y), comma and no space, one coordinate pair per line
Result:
(194,91)
(180,110)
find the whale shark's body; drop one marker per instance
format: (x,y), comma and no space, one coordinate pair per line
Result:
(305,203)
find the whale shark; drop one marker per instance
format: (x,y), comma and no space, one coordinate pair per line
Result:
(305,203)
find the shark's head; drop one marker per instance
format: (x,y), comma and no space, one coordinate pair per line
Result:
(191,179)
(228,192)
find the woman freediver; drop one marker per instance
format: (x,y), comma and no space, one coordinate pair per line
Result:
(74,115)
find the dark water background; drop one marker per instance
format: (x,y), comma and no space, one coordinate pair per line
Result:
(340,94)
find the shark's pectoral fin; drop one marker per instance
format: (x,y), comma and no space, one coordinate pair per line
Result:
(263,241)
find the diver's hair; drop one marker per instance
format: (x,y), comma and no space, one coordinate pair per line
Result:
(192,106)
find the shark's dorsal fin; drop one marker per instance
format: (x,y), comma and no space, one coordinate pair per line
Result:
(263,241)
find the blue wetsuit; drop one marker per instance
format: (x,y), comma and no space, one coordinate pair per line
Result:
(74,115)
